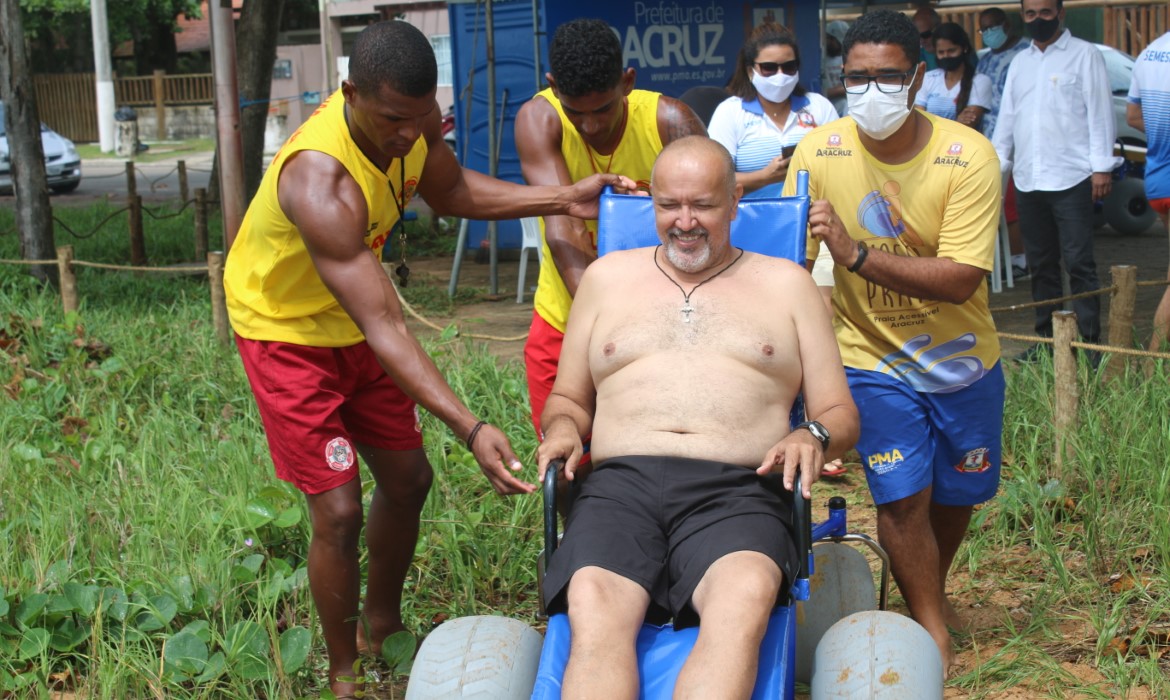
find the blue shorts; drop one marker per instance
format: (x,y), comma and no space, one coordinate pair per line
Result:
(911,440)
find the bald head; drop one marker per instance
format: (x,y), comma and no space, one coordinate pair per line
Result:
(701,151)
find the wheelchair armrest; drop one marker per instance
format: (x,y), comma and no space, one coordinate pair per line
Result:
(802,515)
(550,509)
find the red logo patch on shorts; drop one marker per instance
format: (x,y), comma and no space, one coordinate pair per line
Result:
(339,454)
(974,462)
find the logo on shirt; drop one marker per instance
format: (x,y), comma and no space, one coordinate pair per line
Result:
(976,461)
(339,454)
(952,157)
(805,119)
(885,462)
(409,190)
(833,148)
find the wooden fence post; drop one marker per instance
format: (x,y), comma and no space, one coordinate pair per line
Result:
(1067,396)
(219,317)
(137,241)
(68,279)
(131,183)
(1121,314)
(182,166)
(200,223)
(160,105)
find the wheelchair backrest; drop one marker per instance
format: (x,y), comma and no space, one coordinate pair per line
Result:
(775,226)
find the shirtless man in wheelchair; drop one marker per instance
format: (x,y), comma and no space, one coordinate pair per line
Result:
(683,362)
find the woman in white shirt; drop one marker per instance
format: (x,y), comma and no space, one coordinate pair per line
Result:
(954,90)
(770,111)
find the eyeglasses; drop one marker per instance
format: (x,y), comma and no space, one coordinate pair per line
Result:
(770,67)
(888,83)
(988,29)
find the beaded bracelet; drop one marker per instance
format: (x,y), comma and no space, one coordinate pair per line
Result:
(474,432)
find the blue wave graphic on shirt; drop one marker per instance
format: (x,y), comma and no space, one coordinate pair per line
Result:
(934,370)
(874,216)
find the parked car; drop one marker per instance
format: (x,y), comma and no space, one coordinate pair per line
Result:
(62,162)
(1120,68)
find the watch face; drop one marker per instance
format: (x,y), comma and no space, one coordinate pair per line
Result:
(819,433)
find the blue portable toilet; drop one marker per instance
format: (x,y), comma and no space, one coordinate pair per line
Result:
(672,44)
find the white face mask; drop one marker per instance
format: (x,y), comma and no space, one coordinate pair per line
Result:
(879,114)
(774,88)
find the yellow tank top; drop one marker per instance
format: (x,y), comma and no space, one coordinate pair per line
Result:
(633,157)
(272,287)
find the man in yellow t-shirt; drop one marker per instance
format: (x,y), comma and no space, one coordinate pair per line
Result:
(590,120)
(908,206)
(322,336)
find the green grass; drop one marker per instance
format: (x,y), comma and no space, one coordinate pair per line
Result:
(149,552)
(157,151)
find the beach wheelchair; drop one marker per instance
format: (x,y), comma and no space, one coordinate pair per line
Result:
(833,634)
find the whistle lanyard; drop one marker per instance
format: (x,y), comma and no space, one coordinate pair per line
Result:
(403,271)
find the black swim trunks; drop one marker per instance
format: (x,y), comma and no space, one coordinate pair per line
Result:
(662,521)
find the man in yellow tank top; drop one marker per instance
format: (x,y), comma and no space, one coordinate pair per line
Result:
(590,120)
(322,336)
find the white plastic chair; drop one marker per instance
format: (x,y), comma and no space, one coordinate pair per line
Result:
(529,240)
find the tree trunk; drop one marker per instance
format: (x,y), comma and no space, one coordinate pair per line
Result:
(34,215)
(255,56)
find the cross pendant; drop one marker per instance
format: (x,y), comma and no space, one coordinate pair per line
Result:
(687,309)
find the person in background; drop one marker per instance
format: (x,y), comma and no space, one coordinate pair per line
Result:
(1004,44)
(954,90)
(589,120)
(1055,133)
(769,111)
(1149,111)
(925,20)
(831,66)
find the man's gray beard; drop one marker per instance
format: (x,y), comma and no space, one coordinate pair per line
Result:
(685,263)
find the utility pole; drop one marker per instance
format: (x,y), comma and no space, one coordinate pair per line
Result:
(227,118)
(327,58)
(105,78)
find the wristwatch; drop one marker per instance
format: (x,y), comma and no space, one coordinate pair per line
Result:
(818,431)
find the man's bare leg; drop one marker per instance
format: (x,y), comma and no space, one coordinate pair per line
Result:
(402,482)
(734,600)
(949,524)
(336,517)
(1162,314)
(605,613)
(904,530)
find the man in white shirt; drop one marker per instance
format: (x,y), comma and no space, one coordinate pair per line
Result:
(1055,132)
(1149,111)
(1004,44)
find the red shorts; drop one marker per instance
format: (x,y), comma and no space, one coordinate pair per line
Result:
(318,403)
(542,352)
(1009,202)
(1161,205)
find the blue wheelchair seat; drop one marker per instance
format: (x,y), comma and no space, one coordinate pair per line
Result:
(775,226)
(662,650)
(770,226)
